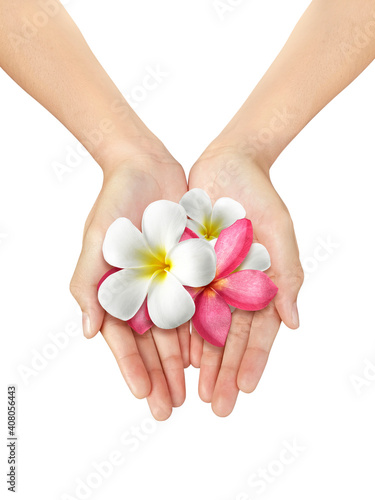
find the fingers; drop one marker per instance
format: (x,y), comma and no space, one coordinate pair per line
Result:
(159,399)
(83,286)
(264,327)
(168,347)
(120,340)
(196,348)
(226,389)
(209,370)
(183,333)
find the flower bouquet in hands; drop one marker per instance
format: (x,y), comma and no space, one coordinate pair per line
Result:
(191,261)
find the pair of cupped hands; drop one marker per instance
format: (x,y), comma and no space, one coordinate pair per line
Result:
(153,364)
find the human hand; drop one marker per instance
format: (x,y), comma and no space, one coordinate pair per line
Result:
(226,171)
(153,363)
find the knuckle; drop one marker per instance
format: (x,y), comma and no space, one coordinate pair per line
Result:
(228,371)
(277,218)
(172,362)
(112,322)
(295,276)
(76,285)
(211,357)
(240,327)
(147,336)
(92,240)
(156,371)
(284,220)
(128,357)
(74,288)
(263,317)
(299,275)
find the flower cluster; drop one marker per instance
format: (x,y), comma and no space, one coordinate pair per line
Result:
(191,261)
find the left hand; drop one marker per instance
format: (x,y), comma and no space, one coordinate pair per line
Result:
(240,363)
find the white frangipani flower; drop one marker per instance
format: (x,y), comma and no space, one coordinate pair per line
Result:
(207,221)
(154,263)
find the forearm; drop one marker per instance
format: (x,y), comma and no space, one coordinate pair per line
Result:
(42,49)
(331,45)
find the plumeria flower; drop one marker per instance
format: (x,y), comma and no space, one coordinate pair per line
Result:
(207,221)
(239,282)
(156,264)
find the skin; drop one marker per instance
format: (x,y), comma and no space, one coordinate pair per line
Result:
(55,66)
(223,371)
(331,45)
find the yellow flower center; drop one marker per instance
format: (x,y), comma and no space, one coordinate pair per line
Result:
(159,264)
(212,229)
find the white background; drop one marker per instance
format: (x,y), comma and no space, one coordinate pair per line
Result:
(75,410)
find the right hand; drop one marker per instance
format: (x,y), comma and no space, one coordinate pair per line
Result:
(153,363)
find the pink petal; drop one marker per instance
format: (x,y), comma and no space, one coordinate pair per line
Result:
(108,273)
(249,290)
(188,234)
(141,321)
(212,318)
(194,291)
(232,247)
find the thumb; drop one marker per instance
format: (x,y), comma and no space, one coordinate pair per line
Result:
(286,298)
(83,286)
(287,272)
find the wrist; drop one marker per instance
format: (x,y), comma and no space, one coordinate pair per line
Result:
(138,148)
(122,146)
(116,134)
(246,144)
(260,133)
(239,147)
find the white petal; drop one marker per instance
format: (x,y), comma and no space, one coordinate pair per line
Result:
(192,262)
(125,246)
(226,212)
(198,229)
(123,293)
(198,206)
(258,258)
(162,225)
(168,303)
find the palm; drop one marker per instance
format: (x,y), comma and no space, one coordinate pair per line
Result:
(241,362)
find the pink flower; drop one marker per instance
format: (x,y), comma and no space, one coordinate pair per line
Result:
(249,289)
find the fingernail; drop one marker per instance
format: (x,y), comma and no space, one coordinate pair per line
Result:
(295,316)
(86,326)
